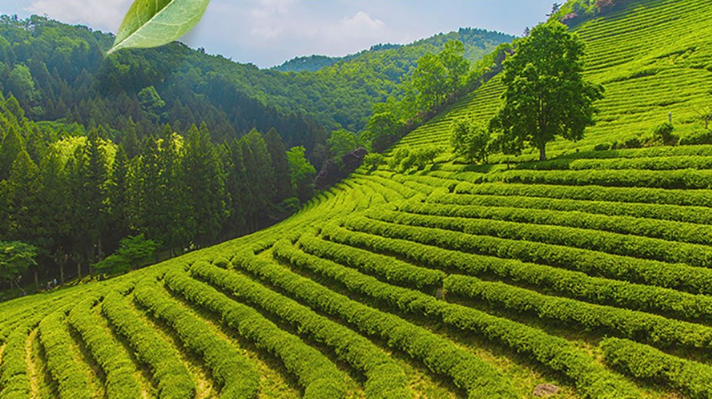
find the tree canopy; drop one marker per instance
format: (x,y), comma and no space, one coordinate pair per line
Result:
(546,95)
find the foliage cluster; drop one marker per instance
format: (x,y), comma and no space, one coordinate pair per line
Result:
(56,342)
(75,195)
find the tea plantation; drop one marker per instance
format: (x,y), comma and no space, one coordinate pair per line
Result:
(587,276)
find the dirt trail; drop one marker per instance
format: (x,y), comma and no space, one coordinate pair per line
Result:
(32,369)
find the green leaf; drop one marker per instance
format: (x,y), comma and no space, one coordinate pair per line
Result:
(153,23)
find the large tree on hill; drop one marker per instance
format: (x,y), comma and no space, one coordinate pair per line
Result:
(546,95)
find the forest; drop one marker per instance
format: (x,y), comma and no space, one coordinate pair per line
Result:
(75,195)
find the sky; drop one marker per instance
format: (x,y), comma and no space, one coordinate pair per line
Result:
(269,32)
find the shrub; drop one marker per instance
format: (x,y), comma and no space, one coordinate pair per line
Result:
(697,138)
(374,160)
(663,133)
(643,362)
(602,147)
(470,141)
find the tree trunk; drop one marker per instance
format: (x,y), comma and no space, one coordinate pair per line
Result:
(19,288)
(542,153)
(79,271)
(37,280)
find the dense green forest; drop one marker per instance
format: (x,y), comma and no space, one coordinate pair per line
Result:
(75,194)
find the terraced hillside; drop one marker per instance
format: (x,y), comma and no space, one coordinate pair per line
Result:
(591,273)
(653,57)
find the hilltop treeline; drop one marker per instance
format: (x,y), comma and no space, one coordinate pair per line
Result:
(59,71)
(74,195)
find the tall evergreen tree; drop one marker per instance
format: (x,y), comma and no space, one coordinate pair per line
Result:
(93,176)
(54,209)
(176,210)
(11,147)
(205,179)
(280,165)
(260,177)
(238,190)
(117,191)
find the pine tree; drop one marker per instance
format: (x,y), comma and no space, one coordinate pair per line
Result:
(93,176)
(238,190)
(280,165)
(11,147)
(176,212)
(54,209)
(260,177)
(117,192)
(205,179)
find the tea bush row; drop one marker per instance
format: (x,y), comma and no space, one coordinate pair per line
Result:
(315,373)
(235,374)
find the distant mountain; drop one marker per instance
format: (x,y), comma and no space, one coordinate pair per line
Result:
(342,90)
(60,72)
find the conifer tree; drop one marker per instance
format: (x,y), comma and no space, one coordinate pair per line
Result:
(280,165)
(206,185)
(11,147)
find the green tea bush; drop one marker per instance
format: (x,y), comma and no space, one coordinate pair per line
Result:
(567,283)
(171,376)
(651,365)
(57,343)
(681,277)
(236,375)
(556,353)
(392,270)
(653,329)
(610,243)
(480,379)
(315,373)
(504,211)
(106,351)
(384,378)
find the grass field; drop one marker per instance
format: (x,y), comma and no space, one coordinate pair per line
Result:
(591,271)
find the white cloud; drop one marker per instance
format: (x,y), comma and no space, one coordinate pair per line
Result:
(103,14)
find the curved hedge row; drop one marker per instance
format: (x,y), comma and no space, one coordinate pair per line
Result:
(14,381)
(680,277)
(480,379)
(170,375)
(656,163)
(669,162)
(688,179)
(385,379)
(701,198)
(694,216)
(569,283)
(106,351)
(235,374)
(555,353)
(649,364)
(319,377)
(669,231)
(654,329)
(392,270)
(611,243)
(71,379)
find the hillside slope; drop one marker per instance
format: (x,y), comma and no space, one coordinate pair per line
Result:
(591,272)
(652,56)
